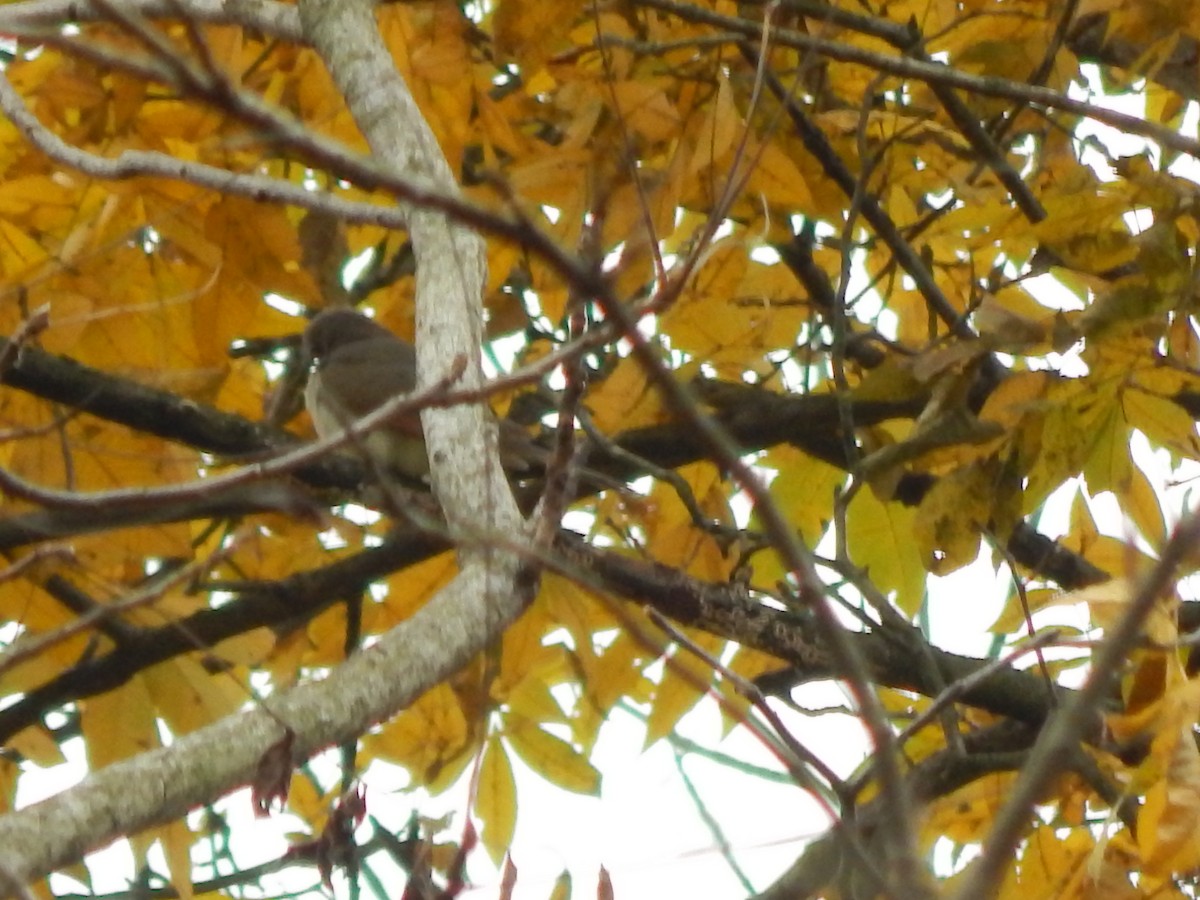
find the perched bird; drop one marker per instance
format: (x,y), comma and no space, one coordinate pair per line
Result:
(359,366)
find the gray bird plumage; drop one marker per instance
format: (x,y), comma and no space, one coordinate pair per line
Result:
(359,366)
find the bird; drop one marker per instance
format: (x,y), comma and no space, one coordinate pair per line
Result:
(358,365)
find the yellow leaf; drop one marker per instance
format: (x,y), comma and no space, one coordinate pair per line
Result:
(952,515)
(425,736)
(260,250)
(1014,398)
(37,746)
(925,741)
(617,673)
(119,724)
(1104,552)
(496,799)
(1141,504)
(684,682)
(246,649)
(187,697)
(31,606)
(499,130)
(750,663)
(308,803)
(804,489)
(524,656)
(1053,865)
(531,699)
(1084,225)
(553,758)
(776,177)
(704,319)
(442,55)
(20,252)
(557,178)
(894,379)
(533,31)
(646,109)
(966,815)
(1014,321)
(409,590)
(1163,421)
(576,610)
(1074,416)
(670,529)
(9,774)
(1108,466)
(1110,600)
(1169,820)
(176,840)
(880,538)
(1012,617)
(562,887)
(716,132)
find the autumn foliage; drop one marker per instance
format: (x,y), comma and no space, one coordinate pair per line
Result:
(809,302)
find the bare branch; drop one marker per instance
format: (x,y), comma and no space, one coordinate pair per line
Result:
(278,20)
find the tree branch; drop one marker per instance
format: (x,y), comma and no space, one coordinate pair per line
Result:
(278,20)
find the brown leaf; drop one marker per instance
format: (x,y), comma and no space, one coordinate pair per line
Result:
(274,775)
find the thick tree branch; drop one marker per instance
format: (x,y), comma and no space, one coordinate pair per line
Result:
(278,20)
(728,610)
